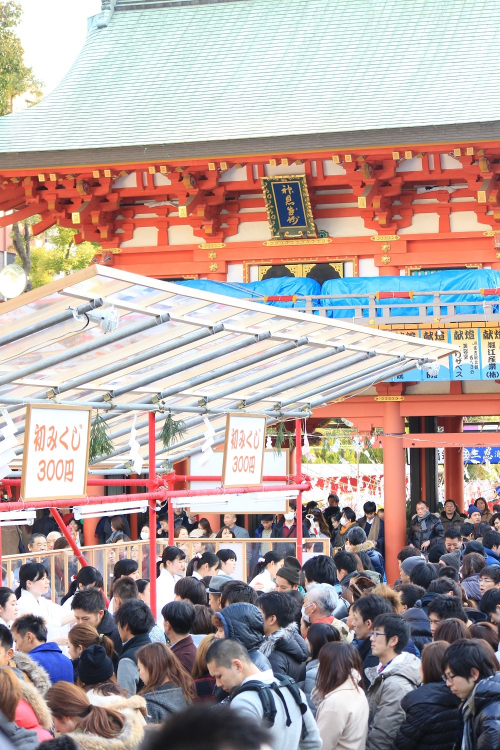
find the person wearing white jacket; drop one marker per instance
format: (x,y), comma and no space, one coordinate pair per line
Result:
(173,565)
(265,572)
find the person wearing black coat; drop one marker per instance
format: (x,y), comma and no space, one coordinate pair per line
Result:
(420,627)
(284,646)
(244,623)
(433,719)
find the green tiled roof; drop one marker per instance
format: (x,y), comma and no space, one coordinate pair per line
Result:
(247,71)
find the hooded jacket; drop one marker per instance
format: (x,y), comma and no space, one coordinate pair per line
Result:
(386,691)
(130,738)
(287,651)
(481,713)
(55,663)
(376,558)
(433,719)
(312,667)
(22,739)
(419,624)
(244,623)
(471,587)
(28,670)
(423,529)
(33,713)
(119,703)
(492,558)
(163,701)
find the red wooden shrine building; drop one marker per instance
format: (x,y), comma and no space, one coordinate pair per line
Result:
(156,142)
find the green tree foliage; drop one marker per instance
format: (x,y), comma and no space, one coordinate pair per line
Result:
(59,255)
(15,77)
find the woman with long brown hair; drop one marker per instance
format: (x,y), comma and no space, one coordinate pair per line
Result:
(83,636)
(203,681)
(342,714)
(168,688)
(92,727)
(433,720)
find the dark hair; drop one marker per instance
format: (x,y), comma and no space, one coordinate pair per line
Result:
(204,524)
(349,514)
(451,630)
(199,727)
(337,663)
(5,594)
(86,576)
(117,523)
(191,589)
(335,497)
(484,501)
(219,536)
(366,563)
(126,588)
(65,699)
(34,537)
(448,571)
(32,571)
(432,661)
(490,600)
(471,653)
(6,639)
(436,551)
(270,557)
(487,632)
(422,502)
(141,585)
(207,558)
(466,529)
(407,552)
(277,604)
(237,591)
(453,532)
(170,554)
(409,594)
(491,539)
(491,571)
(162,667)
(443,584)
(445,607)
(370,507)
(320,519)
(494,518)
(319,634)
(31,624)
(481,529)
(91,600)
(394,625)
(320,569)
(62,742)
(202,624)
(423,575)
(356,535)
(226,554)
(224,651)
(472,563)
(124,568)
(345,561)
(181,616)
(137,615)
(371,606)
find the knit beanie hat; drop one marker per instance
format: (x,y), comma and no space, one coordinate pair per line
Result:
(409,565)
(473,509)
(290,570)
(436,552)
(95,666)
(452,558)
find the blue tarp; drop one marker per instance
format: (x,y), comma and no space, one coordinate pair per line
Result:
(441,281)
(286,286)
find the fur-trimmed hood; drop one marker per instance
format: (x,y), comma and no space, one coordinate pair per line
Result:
(130,738)
(365,547)
(289,641)
(119,703)
(37,703)
(33,672)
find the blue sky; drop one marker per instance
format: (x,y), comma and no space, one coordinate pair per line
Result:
(52,33)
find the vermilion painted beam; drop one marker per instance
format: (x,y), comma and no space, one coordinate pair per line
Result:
(448,439)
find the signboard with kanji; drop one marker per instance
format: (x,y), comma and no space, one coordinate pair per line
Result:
(466,360)
(490,353)
(288,207)
(244,450)
(56,449)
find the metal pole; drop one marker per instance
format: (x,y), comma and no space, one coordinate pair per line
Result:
(298,480)
(301,486)
(49,322)
(152,514)
(68,537)
(96,500)
(171,519)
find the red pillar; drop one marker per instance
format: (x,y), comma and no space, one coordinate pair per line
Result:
(298,479)
(89,524)
(394,488)
(454,464)
(152,512)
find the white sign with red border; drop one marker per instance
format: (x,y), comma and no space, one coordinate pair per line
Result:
(244,450)
(56,450)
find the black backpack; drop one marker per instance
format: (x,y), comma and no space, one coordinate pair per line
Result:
(266,694)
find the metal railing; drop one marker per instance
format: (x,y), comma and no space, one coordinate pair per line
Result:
(62,565)
(378,311)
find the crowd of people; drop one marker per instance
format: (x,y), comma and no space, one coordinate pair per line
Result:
(298,657)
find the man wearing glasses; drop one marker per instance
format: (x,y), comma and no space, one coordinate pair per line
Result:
(397,673)
(471,673)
